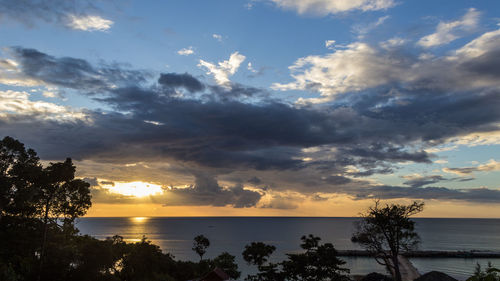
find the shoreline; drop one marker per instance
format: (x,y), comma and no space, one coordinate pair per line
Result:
(427,254)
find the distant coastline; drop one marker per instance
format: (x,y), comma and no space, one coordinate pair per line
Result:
(428,254)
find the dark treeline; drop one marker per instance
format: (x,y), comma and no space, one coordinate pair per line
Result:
(39,240)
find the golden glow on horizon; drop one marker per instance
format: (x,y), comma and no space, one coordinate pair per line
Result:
(139,219)
(339,207)
(135,189)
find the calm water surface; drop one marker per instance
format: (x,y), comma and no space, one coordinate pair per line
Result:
(175,235)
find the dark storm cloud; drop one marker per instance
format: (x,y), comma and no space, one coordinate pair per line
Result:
(219,129)
(485,65)
(107,183)
(186,81)
(281,202)
(423,180)
(207,191)
(53,11)
(73,73)
(478,195)
(236,92)
(255,180)
(419,181)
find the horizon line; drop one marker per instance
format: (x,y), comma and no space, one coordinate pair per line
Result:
(496,218)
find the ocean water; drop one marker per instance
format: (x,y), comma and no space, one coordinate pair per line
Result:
(231,234)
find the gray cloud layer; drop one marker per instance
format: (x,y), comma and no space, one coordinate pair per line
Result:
(219,131)
(30,12)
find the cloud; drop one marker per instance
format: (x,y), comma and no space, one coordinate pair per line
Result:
(186,81)
(17,105)
(281,202)
(77,14)
(89,23)
(255,180)
(393,43)
(92,181)
(250,68)
(207,191)
(217,37)
(243,133)
(326,7)
(330,44)
(361,30)
(477,195)
(186,51)
(361,67)
(418,180)
(492,165)
(42,69)
(224,69)
(355,68)
(447,32)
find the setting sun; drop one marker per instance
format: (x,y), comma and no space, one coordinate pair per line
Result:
(136,188)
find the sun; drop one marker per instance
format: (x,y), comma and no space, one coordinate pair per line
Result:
(135,188)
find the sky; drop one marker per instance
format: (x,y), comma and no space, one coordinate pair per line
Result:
(260,107)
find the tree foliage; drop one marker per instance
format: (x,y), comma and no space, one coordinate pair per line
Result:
(257,253)
(39,241)
(200,245)
(318,262)
(386,231)
(489,274)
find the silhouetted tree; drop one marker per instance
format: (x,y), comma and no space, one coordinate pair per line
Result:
(60,195)
(317,263)
(37,201)
(257,253)
(38,238)
(489,274)
(200,245)
(388,230)
(19,171)
(225,261)
(145,262)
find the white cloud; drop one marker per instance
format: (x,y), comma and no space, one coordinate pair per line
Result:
(156,123)
(479,46)
(393,42)
(358,67)
(325,7)
(447,32)
(250,68)
(218,37)
(330,44)
(49,94)
(361,66)
(491,165)
(224,69)
(15,104)
(186,51)
(362,30)
(89,23)
(11,75)
(476,139)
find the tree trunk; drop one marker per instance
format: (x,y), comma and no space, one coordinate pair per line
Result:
(44,240)
(397,273)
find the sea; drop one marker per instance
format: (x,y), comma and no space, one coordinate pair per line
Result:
(175,235)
